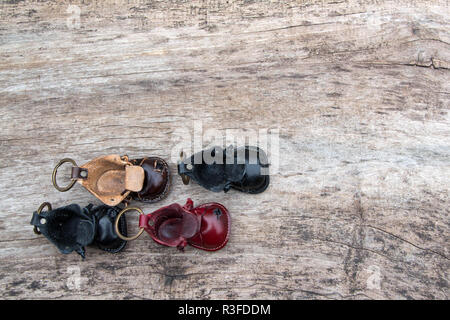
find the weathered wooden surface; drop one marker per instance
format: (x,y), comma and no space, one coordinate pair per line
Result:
(359,90)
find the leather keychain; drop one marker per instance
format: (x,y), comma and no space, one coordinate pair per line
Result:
(205,227)
(71,228)
(244,169)
(114,179)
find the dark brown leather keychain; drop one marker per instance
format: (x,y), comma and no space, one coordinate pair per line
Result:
(114,179)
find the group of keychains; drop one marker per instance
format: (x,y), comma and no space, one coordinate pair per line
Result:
(117,180)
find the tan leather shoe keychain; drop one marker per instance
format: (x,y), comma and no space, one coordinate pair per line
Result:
(114,179)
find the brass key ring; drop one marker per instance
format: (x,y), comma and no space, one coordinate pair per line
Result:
(55,184)
(116,224)
(39,210)
(184,177)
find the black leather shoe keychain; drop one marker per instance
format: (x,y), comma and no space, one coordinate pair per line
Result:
(71,228)
(244,169)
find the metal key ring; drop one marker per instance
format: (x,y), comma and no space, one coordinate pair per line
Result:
(184,177)
(116,224)
(55,184)
(39,210)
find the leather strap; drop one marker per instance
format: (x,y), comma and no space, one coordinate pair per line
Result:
(79,173)
(134,178)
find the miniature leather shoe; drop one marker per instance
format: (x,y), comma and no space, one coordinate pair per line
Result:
(244,169)
(205,227)
(71,228)
(113,179)
(156,180)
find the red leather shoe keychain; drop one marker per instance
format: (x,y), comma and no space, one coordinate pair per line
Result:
(205,227)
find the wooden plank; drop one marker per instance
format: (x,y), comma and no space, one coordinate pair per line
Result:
(359,91)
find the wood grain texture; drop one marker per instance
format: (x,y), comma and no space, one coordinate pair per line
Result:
(359,91)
